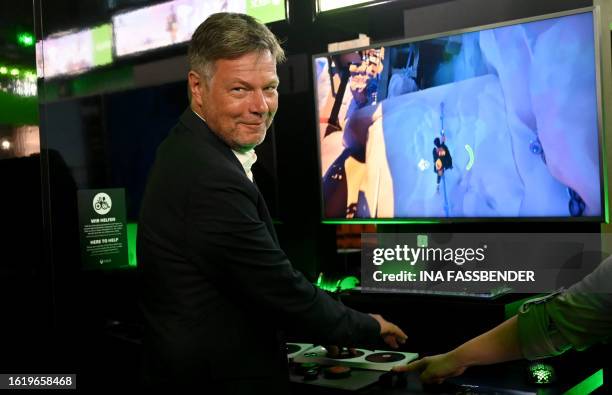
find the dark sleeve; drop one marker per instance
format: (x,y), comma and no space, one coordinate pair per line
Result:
(230,243)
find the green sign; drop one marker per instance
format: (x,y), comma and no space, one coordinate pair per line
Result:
(102,228)
(266,10)
(102,37)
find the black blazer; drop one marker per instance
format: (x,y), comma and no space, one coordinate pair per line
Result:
(216,287)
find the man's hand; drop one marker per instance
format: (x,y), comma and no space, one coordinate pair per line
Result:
(391,333)
(434,369)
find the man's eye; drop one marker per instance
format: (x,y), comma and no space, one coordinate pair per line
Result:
(238,89)
(271,88)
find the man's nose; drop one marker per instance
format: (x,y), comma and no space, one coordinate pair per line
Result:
(259,103)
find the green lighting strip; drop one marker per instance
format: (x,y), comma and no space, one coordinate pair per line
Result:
(132,227)
(588,385)
(340,285)
(15,72)
(375,221)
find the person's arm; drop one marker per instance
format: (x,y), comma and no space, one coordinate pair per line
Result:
(576,318)
(500,344)
(233,248)
(545,327)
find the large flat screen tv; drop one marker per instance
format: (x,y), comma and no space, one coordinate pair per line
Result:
(500,121)
(174,22)
(74,53)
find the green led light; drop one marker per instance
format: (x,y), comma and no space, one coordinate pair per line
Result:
(542,376)
(132,229)
(30,75)
(542,373)
(347,283)
(324,283)
(331,285)
(25,39)
(588,385)
(14,71)
(3,70)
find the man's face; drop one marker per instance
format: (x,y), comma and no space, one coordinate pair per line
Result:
(240,100)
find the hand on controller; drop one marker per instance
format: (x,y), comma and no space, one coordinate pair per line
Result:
(434,369)
(391,333)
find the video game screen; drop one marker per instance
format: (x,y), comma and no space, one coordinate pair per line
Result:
(498,122)
(174,22)
(74,53)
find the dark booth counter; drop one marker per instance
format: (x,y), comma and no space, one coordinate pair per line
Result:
(577,373)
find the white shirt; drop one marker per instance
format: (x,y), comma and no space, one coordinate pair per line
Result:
(247,159)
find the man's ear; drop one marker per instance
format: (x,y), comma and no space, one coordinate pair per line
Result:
(196,88)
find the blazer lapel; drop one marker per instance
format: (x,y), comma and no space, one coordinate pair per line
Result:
(194,123)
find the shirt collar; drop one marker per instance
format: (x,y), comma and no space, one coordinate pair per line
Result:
(247,159)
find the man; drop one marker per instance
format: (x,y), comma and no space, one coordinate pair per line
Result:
(216,286)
